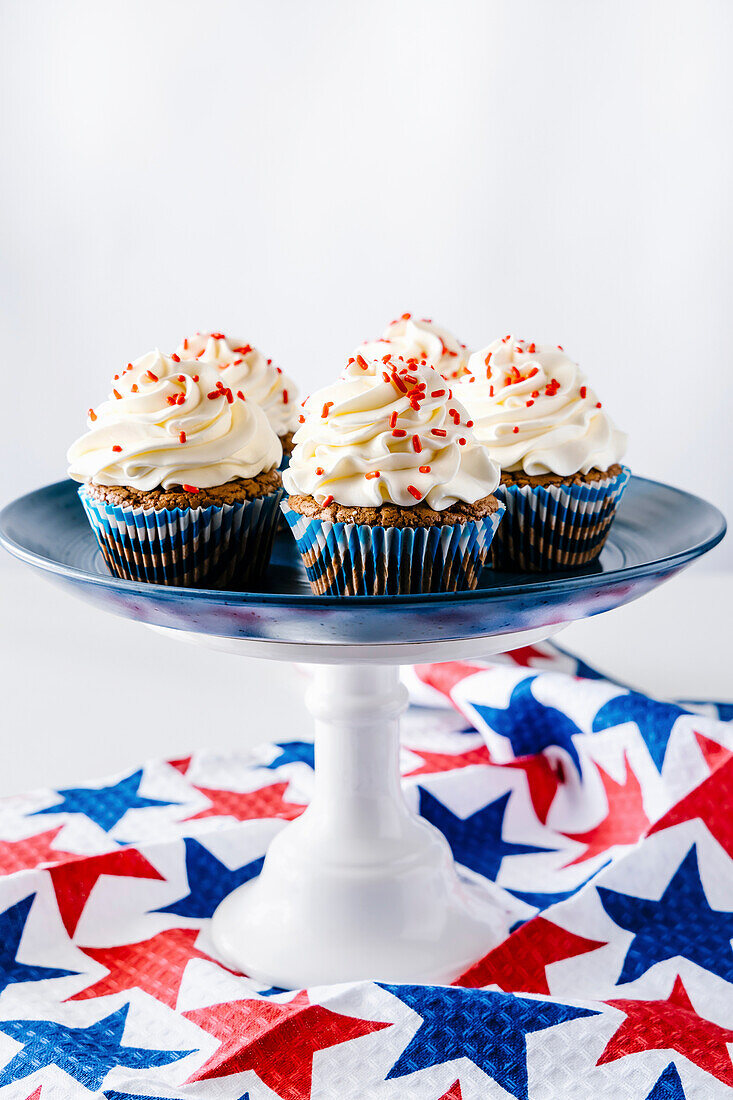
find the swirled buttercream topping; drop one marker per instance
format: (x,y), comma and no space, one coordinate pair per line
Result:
(389,431)
(421,339)
(171,422)
(245,368)
(534,410)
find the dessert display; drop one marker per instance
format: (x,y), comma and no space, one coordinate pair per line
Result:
(558,450)
(420,338)
(179,475)
(245,368)
(389,490)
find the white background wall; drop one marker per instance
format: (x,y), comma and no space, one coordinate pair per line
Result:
(298,173)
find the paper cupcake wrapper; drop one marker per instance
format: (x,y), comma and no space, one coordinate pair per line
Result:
(351,559)
(556,526)
(190,547)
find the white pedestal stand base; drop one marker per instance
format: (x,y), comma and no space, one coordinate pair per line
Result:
(359,886)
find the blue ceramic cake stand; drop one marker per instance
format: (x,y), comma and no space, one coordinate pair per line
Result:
(359,886)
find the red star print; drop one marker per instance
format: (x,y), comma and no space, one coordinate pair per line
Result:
(156,966)
(247,805)
(277,1041)
(624,822)
(543,779)
(449,761)
(671,1025)
(182,764)
(713,752)
(708,802)
(31,851)
(445,676)
(74,881)
(518,964)
(454,1092)
(526,655)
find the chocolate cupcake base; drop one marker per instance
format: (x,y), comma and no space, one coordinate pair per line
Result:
(556,523)
(344,558)
(223,542)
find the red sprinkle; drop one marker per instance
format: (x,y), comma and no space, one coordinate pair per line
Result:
(438,431)
(151,376)
(531,349)
(195,378)
(319,471)
(415,492)
(424,469)
(133,387)
(406,316)
(189,488)
(92,415)
(416,444)
(362,362)
(535,393)
(399,433)
(327,501)
(301,419)
(397,381)
(181,378)
(185,344)
(117,447)
(437,393)
(285,397)
(515,429)
(326,407)
(241,397)
(181,399)
(374,473)
(584,392)
(117,395)
(213,394)
(469,423)
(182,437)
(462,442)
(491,391)
(529,404)
(393,420)
(116,378)
(598,405)
(175,358)
(217,335)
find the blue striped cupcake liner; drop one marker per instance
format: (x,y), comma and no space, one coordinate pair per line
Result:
(212,547)
(556,526)
(352,559)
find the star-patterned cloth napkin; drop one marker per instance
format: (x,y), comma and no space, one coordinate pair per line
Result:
(602,815)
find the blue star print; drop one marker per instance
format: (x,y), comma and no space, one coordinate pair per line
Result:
(529,725)
(209,881)
(293,752)
(655,720)
(86,1053)
(12,924)
(681,923)
(489,1028)
(104,805)
(669,1086)
(476,841)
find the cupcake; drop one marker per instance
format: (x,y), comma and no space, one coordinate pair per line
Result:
(558,450)
(245,368)
(390,492)
(420,339)
(179,476)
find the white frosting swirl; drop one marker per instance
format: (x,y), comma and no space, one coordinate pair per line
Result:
(245,368)
(414,338)
(388,432)
(171,422)
(534,410)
